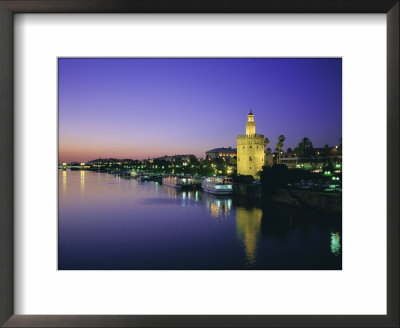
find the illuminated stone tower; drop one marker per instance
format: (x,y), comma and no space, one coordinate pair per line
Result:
(250,150)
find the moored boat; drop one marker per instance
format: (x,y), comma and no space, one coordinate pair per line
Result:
(217,185)
(178,182)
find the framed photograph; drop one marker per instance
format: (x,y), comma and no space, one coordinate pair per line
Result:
(199,164)
(244,198)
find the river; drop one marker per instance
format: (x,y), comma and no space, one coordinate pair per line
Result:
(111,223)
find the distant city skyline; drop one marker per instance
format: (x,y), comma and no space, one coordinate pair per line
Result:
(141,107)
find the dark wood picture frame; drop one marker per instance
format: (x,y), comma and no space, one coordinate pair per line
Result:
(7,10)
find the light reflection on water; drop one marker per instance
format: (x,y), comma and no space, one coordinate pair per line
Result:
(335,243)
(219,206)
(82,181)
(108,222)
(64,181)
(248,226)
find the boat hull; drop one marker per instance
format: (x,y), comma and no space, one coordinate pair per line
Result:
(217,191)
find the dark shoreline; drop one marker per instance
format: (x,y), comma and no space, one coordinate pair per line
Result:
(330,202)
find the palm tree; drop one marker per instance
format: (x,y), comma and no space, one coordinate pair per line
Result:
(266,142)
(279,146)
(304,146)
(305,150)
(325,155)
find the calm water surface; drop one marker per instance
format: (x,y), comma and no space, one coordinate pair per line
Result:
(111,223)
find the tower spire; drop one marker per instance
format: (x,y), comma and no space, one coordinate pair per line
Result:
(250,124)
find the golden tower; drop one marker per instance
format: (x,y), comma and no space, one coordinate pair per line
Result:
(250,150)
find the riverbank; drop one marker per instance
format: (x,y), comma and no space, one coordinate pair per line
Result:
(319,200)
(293,197)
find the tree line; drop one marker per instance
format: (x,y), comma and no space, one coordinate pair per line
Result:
(304,151)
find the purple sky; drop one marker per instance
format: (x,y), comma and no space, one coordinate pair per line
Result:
(139,108)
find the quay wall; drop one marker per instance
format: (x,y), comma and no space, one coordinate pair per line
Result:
(302,198)
(323,201)
(248,190)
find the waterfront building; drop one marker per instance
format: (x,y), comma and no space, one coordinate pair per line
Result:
(184,157)
(250,150)
(290,161)
(322,156)
(221,152)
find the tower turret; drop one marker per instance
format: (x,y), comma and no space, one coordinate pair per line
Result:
(250,124)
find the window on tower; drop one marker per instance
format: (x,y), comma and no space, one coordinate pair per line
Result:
(250,159)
